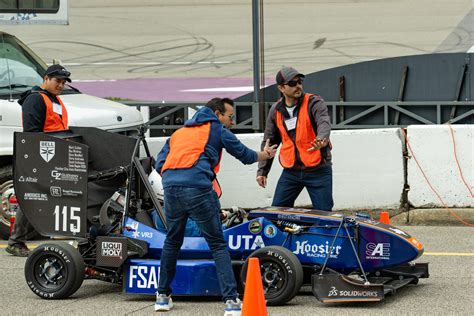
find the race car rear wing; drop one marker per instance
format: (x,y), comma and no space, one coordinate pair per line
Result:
(59,176)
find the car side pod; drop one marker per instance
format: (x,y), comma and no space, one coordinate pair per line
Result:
(334,287)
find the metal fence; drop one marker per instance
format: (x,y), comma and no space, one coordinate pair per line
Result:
(167,117)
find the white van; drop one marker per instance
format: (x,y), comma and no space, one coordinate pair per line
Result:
(20,70)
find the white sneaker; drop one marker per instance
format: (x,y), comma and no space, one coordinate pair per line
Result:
(163,303)
(233,307)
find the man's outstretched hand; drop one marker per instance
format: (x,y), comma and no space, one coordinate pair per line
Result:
(270,150)
(318,143)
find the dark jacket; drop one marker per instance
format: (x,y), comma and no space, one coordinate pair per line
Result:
(34,109)
(201,174)
(321,123)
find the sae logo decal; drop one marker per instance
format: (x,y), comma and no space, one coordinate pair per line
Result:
(379,251)
(47,150)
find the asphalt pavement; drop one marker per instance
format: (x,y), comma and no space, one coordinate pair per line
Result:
(448,290)
(113,40)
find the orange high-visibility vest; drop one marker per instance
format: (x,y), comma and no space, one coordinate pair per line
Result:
(305,134)
(186,146)
(54,121)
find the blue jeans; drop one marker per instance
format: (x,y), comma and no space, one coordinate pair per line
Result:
(202,205)
(318,184)
(191,229)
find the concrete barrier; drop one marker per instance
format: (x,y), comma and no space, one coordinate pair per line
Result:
(433,147)
(368,172)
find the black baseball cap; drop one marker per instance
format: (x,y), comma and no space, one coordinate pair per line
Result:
(58,71)
(286,74)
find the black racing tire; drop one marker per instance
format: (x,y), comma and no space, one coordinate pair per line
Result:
(6,173)
(282,274)
(54,271)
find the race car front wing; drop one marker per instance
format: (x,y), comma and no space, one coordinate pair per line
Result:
(331,287)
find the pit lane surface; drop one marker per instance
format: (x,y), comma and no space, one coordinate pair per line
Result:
(450,251)
(193,50)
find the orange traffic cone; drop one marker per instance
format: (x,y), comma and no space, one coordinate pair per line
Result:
(254,298)
(384,217)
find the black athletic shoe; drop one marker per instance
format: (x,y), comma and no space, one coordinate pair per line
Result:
(18,250)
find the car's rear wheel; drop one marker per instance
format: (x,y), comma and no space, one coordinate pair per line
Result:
(54,271)
(282,274)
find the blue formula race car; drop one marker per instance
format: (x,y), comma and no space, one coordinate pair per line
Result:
(91,186)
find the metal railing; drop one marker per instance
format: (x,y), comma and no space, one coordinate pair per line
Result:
(344,115)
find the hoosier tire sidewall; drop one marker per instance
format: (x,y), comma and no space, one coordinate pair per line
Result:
(293,272)
(70,259)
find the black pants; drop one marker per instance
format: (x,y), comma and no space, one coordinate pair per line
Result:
(22,230)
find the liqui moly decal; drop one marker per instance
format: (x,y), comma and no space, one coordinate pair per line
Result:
(111,249)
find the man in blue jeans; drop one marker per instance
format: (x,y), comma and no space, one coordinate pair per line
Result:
(188,164)
(300,122)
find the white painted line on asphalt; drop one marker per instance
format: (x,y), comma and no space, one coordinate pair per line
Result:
(151,63)
(471,50)
(94,80)
(450,254)
(224,89)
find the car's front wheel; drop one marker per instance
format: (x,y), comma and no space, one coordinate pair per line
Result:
(281,271)
(54,271)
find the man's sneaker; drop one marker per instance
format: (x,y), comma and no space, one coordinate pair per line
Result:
(18,250)
(163,302)
(233,307)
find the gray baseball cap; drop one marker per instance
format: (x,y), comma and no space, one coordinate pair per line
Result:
(286,74)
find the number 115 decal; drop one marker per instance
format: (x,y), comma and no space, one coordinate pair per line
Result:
(64,216)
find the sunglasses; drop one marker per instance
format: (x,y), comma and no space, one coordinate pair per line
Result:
(293,83)
(229,116)
(61,72)
(64,73)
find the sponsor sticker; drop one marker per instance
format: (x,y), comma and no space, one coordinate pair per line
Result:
(36,196)
(28,179)
(47,150)
(55,191)
(255,227)
(379,251)
(247,242)
(62,176)
(351,293)
(67,192)
(289,217)
(398,231)
(270,231)
(316,250)
(112,249)
(147,235)
(58,192)
(143,277)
